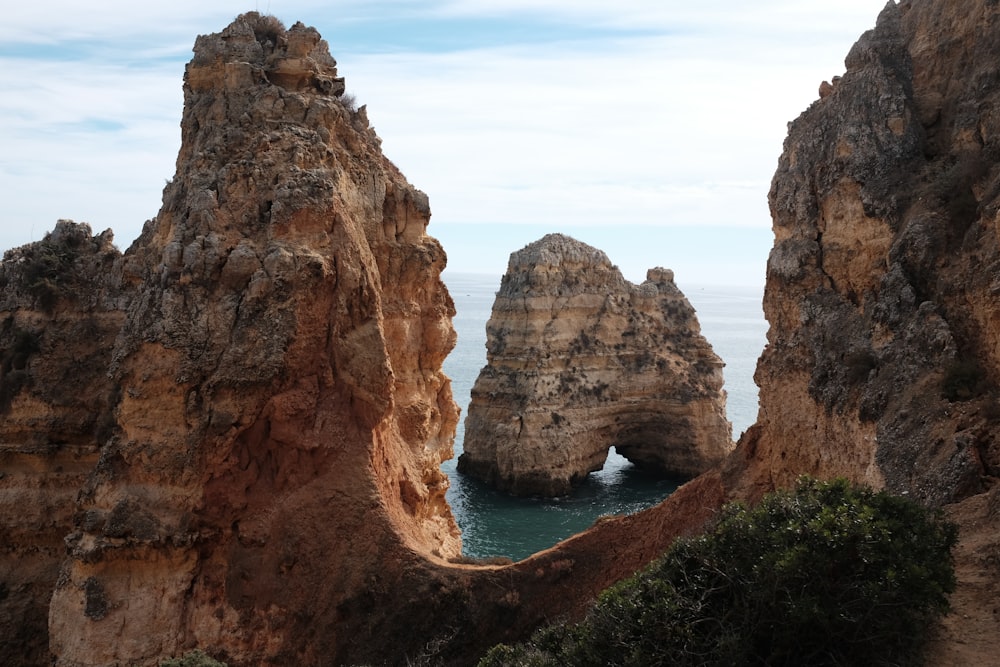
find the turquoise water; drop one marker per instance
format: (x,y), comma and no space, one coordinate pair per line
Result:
(494,524)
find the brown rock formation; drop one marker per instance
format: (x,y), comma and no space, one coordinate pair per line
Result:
(266,483)
(282,412)
(884,345)
(235,428)
(581,360)
(232,433)
(883,289)
(59,315)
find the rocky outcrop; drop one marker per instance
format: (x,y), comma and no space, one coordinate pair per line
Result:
(580,360)
(883,289)
(230,435)
(279,413)
(60,311)
(258,475)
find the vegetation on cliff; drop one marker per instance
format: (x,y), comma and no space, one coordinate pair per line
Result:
(825,574)
(193,659)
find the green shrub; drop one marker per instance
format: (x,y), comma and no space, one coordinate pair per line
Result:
(266,28)
(47,269)
(825,574)
(13,361)
(25,344)
(193,659)
(350,101)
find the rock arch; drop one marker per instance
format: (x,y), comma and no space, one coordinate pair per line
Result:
(581,360)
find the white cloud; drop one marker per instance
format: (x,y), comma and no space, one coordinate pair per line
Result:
(680,123)
(88,141)
(505,134)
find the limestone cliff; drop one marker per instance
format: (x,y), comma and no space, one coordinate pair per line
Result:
(580,360)
(281,413)
(258,474)
(60,311)
(230,435)
(883,286)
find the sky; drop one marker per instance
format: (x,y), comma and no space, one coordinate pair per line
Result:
(647,128)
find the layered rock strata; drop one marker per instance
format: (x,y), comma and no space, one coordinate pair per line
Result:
(282,523)
(580,360)
(883,283)
(230,435)
(883,289)
(60,312)
(280,413)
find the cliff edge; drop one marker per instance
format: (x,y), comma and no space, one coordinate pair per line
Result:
(229,437)
(580,360)
(884,342)
(61,309)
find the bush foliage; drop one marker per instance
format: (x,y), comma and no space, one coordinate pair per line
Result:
(193,659)
(825,574)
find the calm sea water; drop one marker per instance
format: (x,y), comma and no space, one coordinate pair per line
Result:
(494,524)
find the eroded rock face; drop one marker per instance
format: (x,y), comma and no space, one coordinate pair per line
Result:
(231,435)
(883,284)
(883,290)
(282,412)
(581,360)
(285,509)
(60,312)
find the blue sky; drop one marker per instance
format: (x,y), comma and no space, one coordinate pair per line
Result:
(649,128)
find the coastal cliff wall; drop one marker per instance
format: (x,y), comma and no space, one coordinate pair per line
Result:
(580,360)
(882,286)
(279,412)
(229,437)
(60,312)
(258,476)
(883,290)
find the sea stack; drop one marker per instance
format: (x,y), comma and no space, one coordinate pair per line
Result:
(227,439)
(580,360)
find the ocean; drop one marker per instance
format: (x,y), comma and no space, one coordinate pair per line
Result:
(495,524)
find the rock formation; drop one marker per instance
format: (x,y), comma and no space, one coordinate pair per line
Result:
(280,322)
(229,437)
(257,476)
(581,360)
(883,288)
(60,311)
